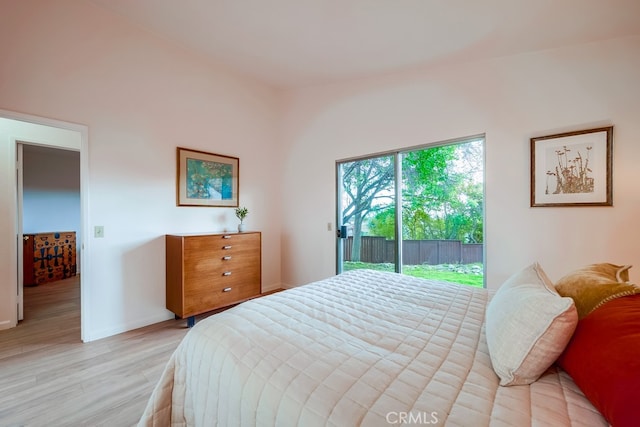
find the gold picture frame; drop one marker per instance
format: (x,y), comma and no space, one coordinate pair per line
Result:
(207,179)
(572,168)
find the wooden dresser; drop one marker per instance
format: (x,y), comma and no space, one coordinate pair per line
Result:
(210,271)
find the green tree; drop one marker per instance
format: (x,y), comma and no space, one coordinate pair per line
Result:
(367,186)
(442,195)
(426,183)
(383,224)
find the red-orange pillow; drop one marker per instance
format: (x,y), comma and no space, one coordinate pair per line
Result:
(603,358)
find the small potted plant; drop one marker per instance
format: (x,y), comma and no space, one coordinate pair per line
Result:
(241,213)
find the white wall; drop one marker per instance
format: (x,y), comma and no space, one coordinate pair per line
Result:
(51,190)
(140,97)
(511,99)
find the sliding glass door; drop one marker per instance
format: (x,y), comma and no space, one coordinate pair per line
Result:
(366,198)
(418,211)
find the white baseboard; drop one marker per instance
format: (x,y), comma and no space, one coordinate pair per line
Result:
(6,324)
(125,327)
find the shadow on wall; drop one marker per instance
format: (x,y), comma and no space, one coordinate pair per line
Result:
(144,264)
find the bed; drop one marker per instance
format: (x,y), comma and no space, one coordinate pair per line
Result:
(361,348)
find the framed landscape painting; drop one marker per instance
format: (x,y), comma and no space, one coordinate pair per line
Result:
(573,168)
(207,179)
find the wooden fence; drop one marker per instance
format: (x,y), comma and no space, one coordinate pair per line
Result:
(414,252)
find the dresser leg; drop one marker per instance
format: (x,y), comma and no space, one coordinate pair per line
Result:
(191,320)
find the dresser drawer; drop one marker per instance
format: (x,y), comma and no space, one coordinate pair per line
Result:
(239,245)
(211,259)
(222,286)
(237,287)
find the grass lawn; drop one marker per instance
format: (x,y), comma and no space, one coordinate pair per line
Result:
(465,274)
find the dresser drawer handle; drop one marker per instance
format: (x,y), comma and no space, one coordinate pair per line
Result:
(226,273)
(226,290)
(226,247)
(226,236)
(226,258)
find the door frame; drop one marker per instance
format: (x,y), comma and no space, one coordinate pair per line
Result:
(15,275)
(395,156)
(19,222)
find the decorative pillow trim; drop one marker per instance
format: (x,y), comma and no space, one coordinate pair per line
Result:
(612,297)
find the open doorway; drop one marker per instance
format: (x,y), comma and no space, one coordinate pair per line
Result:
(17,129)
(49,221)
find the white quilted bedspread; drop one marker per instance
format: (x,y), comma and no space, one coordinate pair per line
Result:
(363,348)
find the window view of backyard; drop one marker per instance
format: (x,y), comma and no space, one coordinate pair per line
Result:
(441,213)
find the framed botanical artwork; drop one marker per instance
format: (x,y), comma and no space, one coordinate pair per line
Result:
(207,179)
(573,168)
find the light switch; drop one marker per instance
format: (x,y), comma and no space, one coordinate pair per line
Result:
(98,231)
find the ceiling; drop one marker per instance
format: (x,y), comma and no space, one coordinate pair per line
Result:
(294,43)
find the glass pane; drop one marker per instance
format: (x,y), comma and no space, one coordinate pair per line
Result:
(366,208)
(442,213)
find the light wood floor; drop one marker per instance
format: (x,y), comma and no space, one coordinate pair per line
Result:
(48,377)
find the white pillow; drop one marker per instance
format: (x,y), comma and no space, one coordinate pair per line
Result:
(528,325)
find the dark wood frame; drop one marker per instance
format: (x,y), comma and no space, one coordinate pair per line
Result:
(182,199)
(601,194)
